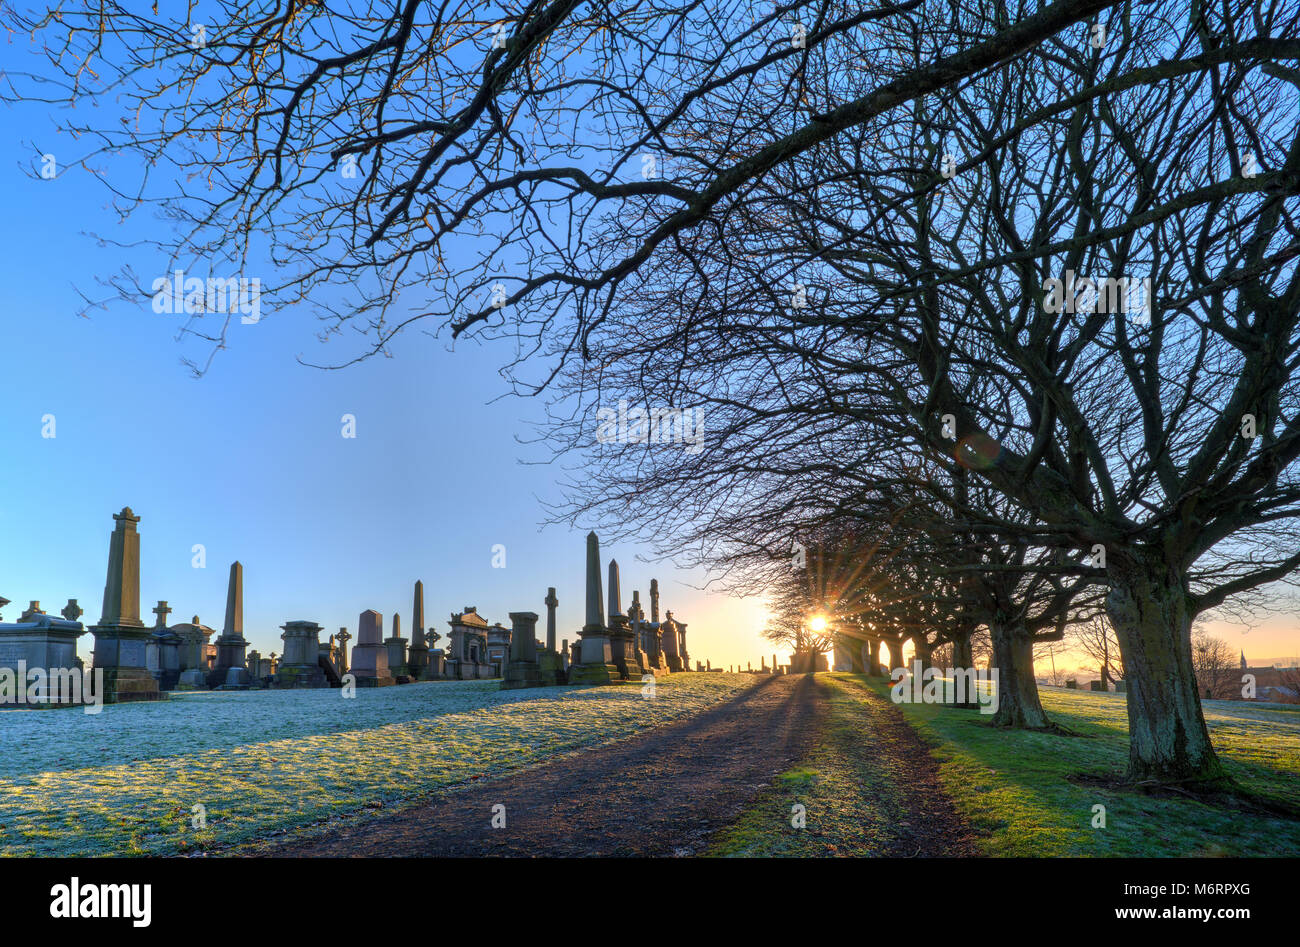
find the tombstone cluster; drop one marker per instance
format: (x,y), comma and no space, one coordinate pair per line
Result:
(143,663)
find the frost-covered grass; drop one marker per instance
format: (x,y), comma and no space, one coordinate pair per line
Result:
(126,781)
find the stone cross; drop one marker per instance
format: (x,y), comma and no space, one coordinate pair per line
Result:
(72,611)
(551,602)
(32,609)
(343,638)
(654,601)
(162,611)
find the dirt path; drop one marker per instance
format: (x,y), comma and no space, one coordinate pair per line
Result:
(662,792)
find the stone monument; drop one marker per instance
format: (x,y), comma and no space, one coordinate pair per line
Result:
(231,671)
(300,665)
(597,665)
(370,657)
(417,656)
(622,639)
(121,639)
(550,663)
(522,670)
(396,647)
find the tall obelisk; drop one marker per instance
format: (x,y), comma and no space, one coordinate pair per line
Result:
(121,639)
(417,657)
(231,670)
(597,666)
(622,640)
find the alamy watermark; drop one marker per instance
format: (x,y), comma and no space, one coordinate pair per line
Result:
(637,425)
(945,686)
(38,686)
(1083,294)
(178,293)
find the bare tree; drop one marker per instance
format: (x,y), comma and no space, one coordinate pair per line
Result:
(1096,638)
(1217,673)
(847,226)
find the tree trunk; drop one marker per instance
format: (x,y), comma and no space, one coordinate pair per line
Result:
(871,658)
(895,654)
(963,657)
(1149,607)
(1013,656)
(962,653)
(923,651)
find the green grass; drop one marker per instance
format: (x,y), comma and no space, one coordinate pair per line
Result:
(1015,789)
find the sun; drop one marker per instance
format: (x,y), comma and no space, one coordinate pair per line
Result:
(817,624)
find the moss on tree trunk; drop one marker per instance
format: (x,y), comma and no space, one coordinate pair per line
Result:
(1150,609)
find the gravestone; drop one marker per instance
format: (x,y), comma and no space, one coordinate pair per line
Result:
(46,643)
(231,671)
(396,647)
(622,640)
(522,669)
(1097,685)
(193,660)
(343,639)
(370,657)
(596,660)
(417,656)
(550,663)
(669,641)
(121,639)
(300,665)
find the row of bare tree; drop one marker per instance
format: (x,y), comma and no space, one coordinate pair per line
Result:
(997,304)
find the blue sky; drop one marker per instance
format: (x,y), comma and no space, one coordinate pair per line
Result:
(250,461)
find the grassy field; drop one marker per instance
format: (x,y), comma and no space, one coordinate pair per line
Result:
(126,781)
(1018,789)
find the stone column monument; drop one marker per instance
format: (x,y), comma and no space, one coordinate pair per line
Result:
(622,640)
(300,664)
(396,647)
(417,657)
(521,670)
(596,661)
(121,639)
(370,657)
(231,671)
